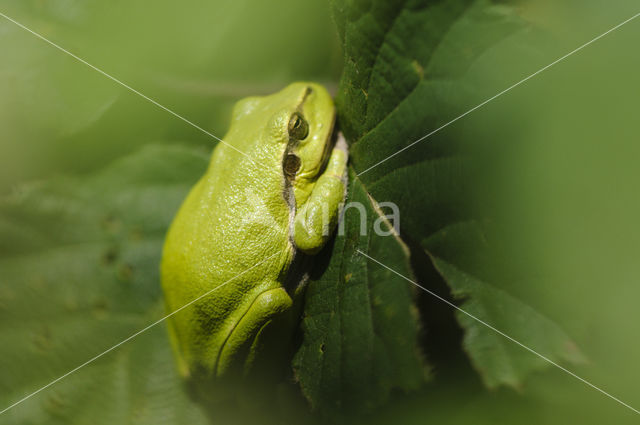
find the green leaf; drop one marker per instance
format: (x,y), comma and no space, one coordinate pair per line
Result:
(410,68)
(498,359)
(79,272)
(359,324)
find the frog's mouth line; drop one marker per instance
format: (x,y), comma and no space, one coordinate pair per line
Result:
(331,134)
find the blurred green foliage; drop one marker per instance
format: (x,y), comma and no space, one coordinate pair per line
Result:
(79,274)
(551,170)
(195,57)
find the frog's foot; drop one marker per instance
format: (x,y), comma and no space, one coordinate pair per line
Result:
(317,218)
(239,345)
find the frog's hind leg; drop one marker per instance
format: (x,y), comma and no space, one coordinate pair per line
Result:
(242,346)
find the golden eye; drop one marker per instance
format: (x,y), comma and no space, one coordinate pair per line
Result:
(291,165)
(298,127)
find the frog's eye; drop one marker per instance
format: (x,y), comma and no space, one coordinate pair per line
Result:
(291,165)
(298,127)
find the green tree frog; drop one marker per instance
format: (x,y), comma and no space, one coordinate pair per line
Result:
(272,192)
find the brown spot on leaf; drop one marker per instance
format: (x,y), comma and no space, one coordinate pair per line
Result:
(125,272)
(110,256)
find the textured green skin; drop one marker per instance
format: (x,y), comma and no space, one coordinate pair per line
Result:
(242,212)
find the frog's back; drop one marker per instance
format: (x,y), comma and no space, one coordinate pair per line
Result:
(231,237)
(230,223)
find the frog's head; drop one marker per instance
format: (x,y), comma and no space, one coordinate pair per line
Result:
(290,131)
(309,131)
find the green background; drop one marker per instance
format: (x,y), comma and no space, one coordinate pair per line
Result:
(91,174)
